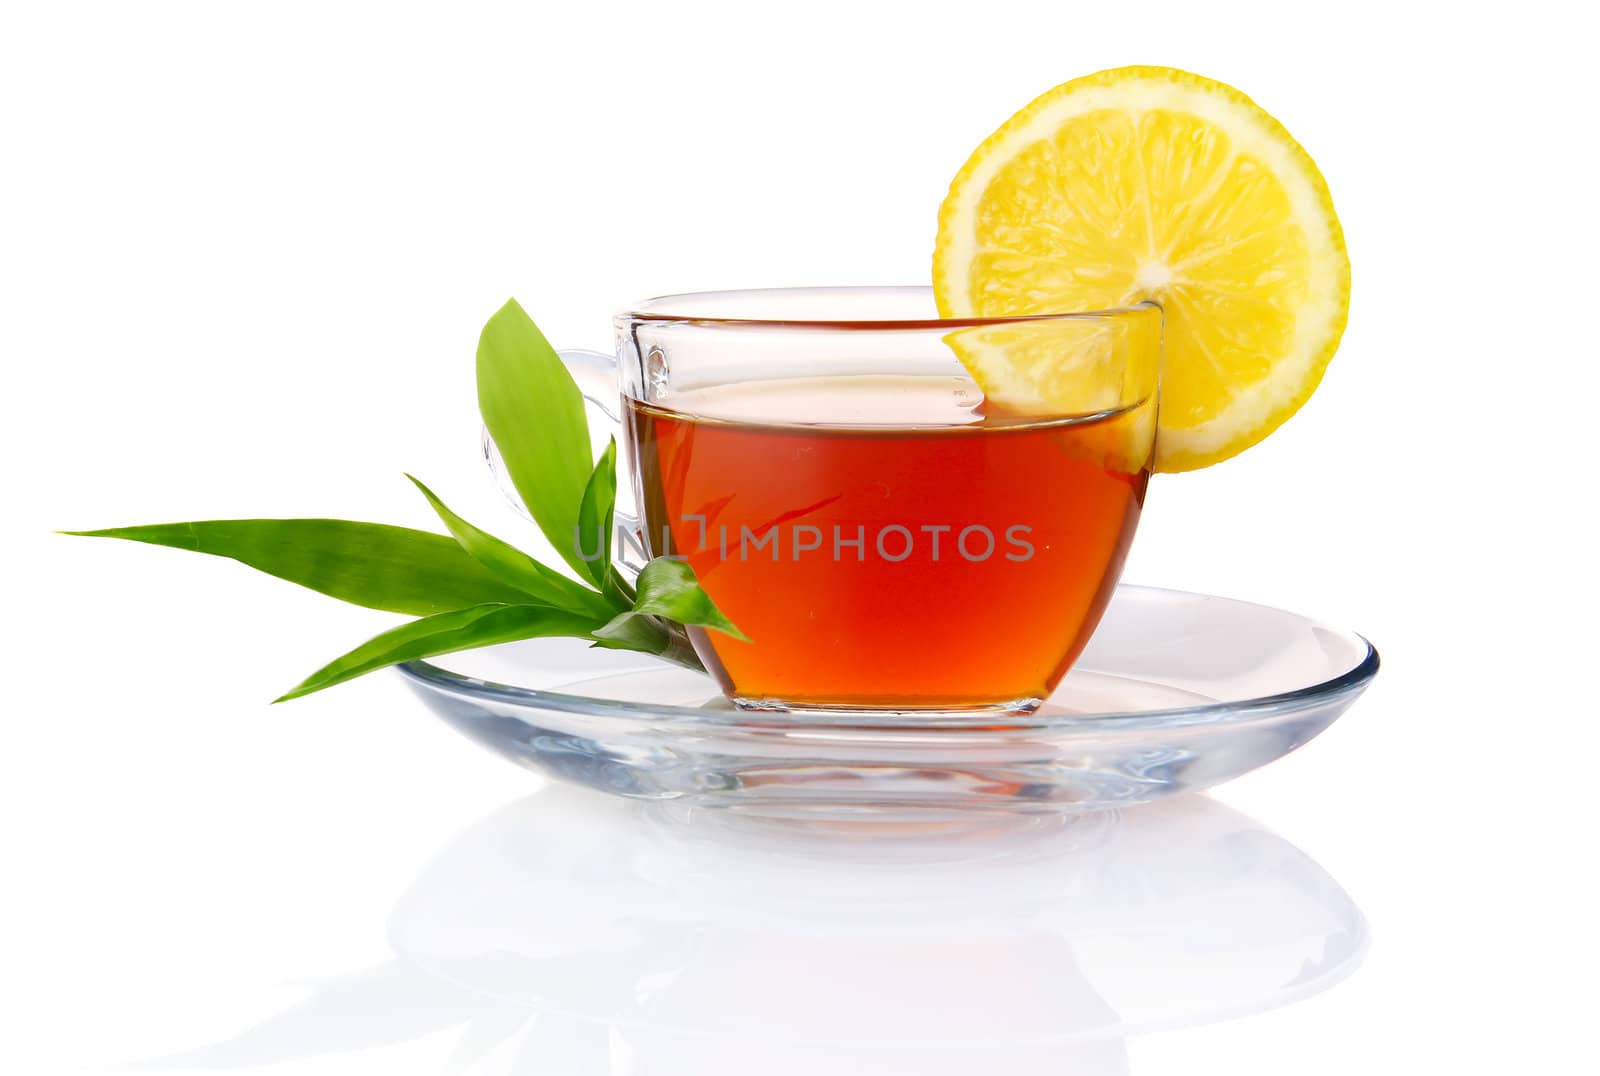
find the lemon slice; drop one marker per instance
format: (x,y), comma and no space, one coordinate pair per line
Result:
(1149,183)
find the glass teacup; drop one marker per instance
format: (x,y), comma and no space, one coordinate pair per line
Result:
(885,536)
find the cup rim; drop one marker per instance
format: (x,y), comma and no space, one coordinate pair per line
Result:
(655,310)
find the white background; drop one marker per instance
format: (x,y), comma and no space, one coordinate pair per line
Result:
(245,250)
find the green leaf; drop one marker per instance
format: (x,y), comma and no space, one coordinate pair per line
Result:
(668,588)
(445,633)
(595,513)
(381,567)
(651,635)
(631,631)
(515,567)
(534,412)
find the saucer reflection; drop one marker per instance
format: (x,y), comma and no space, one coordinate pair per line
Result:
(576,934)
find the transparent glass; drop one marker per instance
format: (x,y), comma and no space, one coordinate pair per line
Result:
(886,534)
(1176,692)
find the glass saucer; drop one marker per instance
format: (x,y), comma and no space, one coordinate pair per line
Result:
(1175,692)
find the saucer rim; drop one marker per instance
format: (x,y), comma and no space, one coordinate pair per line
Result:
(1349,683)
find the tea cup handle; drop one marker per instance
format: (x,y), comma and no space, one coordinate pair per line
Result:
(596,375)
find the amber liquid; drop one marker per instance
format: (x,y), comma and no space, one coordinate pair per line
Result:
(926,611)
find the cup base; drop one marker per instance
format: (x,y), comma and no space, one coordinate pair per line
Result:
(911,712)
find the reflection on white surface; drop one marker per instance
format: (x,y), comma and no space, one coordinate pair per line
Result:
(573,934)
